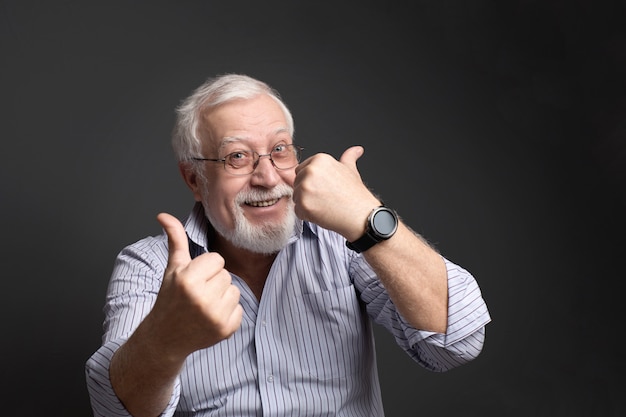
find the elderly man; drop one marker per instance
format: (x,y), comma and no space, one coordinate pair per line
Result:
(260,303)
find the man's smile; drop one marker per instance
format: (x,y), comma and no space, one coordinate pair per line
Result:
(265,203)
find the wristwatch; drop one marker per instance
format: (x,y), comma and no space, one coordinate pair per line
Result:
(382,223)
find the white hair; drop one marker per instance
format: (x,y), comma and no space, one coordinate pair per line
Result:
(186,140)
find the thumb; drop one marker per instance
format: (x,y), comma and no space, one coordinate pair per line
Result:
(351,155)
(177,240)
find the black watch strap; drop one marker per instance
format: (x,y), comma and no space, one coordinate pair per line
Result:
(377,230)
(363,243)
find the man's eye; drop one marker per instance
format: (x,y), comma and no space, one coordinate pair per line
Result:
(280,148)
(238,155)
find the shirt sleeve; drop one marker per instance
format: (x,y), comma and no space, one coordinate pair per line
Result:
(133,288)
(467,317)
(104,401)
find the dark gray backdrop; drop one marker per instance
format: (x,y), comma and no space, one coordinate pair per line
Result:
(496,128)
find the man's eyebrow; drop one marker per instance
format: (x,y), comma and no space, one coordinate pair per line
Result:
(230,139)
(281,130)
(227,140)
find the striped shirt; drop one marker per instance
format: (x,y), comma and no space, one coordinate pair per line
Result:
(306,349)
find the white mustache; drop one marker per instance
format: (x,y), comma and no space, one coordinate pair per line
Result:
(246,196)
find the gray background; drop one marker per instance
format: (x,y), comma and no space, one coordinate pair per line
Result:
(495,128)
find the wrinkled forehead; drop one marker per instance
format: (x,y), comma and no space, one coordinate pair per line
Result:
(246,122)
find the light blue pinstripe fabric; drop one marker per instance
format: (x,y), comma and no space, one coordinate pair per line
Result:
(305,350)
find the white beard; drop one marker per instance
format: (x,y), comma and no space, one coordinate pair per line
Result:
(267,238)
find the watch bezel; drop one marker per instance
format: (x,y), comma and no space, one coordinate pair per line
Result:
(372,222)
(372,235)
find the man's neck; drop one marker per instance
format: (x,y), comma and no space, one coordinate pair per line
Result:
(252,267)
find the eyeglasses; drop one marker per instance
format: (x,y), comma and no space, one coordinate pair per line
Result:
(244,162)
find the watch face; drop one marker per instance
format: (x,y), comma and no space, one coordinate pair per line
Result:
(384,223)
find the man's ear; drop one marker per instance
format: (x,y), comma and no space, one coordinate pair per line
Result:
(191,179)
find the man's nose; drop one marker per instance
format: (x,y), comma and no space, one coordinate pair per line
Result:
(265,173)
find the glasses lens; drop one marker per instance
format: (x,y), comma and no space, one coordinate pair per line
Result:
(285,156)
(239,163)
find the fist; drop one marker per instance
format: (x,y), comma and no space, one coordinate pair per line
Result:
(197,305)
(330,193)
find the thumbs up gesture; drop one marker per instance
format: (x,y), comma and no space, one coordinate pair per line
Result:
(197,305)
(330,193)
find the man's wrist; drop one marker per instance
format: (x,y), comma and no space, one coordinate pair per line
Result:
(382,224)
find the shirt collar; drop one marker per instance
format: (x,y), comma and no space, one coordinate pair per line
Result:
(197,226)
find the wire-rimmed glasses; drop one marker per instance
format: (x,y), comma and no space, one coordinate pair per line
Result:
(243,162)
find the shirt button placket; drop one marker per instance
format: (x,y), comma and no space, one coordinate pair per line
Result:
(266,372)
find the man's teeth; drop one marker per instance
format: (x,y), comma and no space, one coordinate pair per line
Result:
(266,203)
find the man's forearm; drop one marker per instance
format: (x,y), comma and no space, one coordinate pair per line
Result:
(142,377)
(415,277)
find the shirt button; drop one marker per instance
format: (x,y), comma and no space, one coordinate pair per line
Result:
(270,378)
(263,323)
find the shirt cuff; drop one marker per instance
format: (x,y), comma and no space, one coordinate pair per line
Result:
(467,311)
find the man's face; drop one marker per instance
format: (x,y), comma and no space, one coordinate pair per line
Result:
(253,211)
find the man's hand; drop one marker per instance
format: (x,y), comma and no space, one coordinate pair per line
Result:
(197,305)
(331,193)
